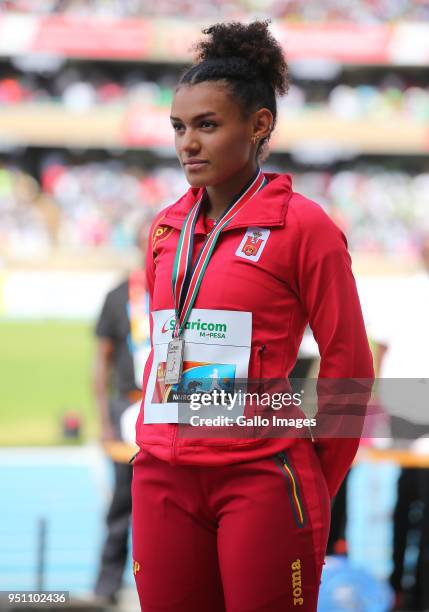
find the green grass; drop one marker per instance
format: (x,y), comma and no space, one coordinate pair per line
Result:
(45,370)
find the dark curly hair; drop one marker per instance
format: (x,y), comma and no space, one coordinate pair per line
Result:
(249,58)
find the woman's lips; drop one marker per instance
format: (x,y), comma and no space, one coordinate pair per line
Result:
(195,166)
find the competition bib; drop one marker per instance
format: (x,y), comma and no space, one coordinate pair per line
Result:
(216,354)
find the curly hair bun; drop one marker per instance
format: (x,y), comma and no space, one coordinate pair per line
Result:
(252,43)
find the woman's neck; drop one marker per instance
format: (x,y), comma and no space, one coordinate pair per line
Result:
(220,196)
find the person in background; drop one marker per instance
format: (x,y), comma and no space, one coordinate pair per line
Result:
(402,351)
(122,332)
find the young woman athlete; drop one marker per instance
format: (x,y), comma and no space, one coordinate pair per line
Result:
(236,270)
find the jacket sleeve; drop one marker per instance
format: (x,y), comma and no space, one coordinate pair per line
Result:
(327,291)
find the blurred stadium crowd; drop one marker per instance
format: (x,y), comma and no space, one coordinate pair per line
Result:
(100,203)
(82,88)
(94,199)
(367,11)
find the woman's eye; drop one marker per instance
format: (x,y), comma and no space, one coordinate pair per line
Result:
(208,124)
(177,127)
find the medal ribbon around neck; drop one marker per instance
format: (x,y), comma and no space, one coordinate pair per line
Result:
(186,282)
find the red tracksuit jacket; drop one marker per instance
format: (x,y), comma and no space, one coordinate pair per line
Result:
(303,275)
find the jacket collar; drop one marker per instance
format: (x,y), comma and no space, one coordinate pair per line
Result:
(266,209)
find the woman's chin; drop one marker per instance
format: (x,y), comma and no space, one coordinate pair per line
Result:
(195,181)
(200,178)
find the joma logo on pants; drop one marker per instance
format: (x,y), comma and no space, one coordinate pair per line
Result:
(298,600)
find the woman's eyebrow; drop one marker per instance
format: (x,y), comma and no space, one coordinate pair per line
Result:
(197,117)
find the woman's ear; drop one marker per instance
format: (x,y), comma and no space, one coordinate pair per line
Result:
(263,122)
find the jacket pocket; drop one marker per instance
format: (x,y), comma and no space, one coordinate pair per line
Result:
(293,488)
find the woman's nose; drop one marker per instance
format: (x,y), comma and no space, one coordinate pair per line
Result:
(189,142)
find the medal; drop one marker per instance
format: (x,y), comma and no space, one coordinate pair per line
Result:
(174,364)
(187,278)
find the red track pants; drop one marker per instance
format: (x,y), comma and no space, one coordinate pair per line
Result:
(247,537)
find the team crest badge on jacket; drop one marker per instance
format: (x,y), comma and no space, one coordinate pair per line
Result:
(253,243)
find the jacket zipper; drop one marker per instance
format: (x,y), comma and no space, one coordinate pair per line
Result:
(261,349)
(174,444)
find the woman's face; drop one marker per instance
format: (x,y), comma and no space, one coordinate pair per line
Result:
(212,138)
